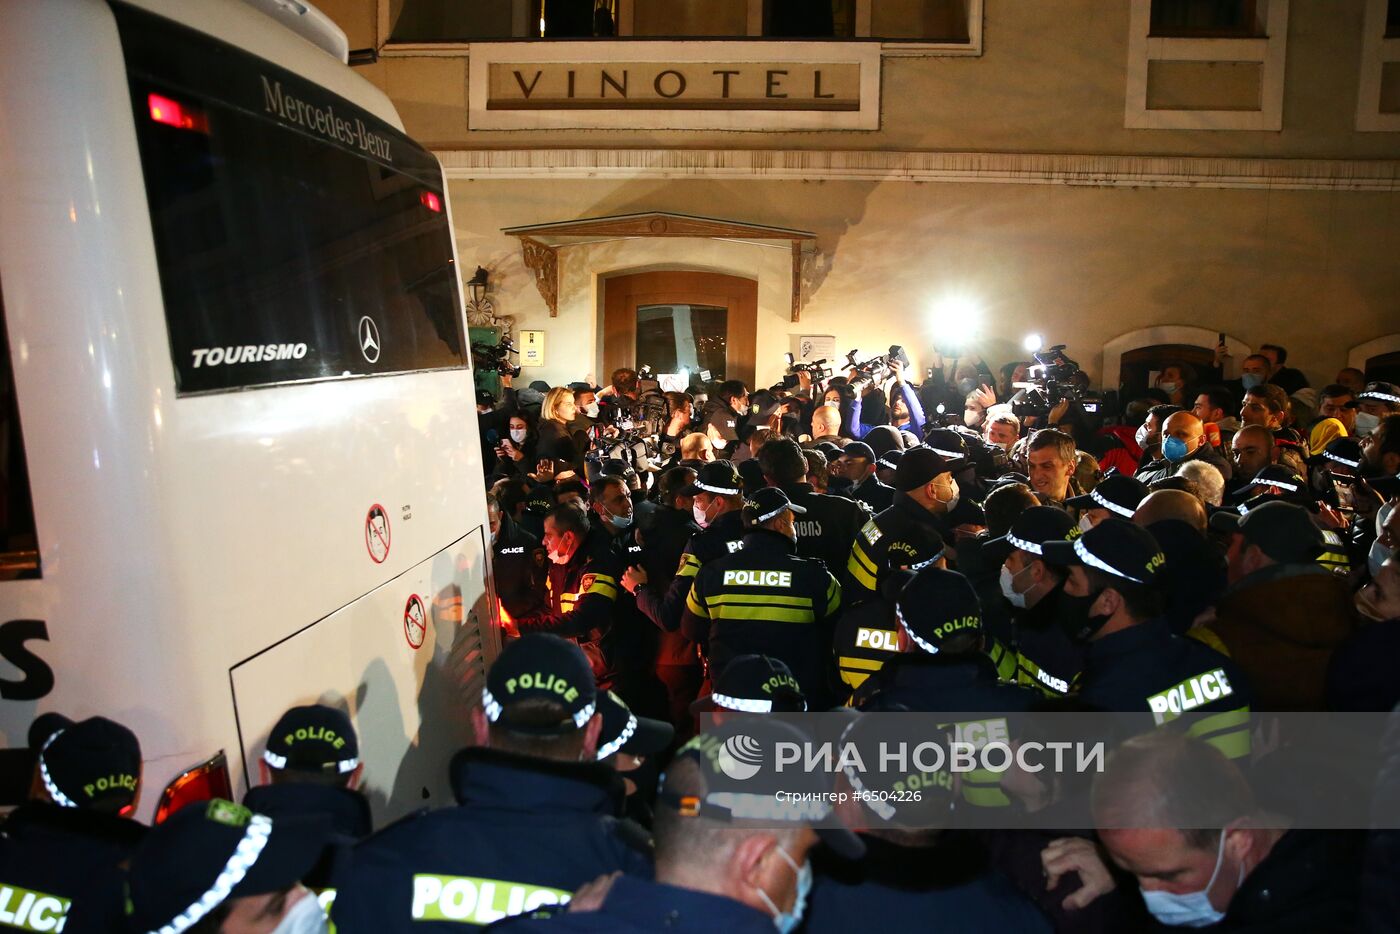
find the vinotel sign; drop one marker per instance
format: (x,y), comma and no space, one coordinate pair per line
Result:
(673,85)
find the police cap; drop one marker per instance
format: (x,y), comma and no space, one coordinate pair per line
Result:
(211,851)
(767,503)
(1283,531)
(890,459)
(1116,547)
(918,467)
(937,605)
(861,450)
(540,666)
(624,731)
(754,684)
(314,738)
(1029,532)
(94,763)
(1380,391)
(718,477)
(946,443)
(1345,451)
(1119,494)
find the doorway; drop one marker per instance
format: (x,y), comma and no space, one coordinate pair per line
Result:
(671,321)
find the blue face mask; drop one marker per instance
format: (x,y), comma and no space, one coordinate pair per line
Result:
(1174,449)
(1250,380)
(787,921)
(1193,909)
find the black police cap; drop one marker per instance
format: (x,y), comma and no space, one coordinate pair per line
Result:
(314,738)
(93,763)
(946,443)
(624,731)
(1283,531)
(918,467)
(1116,547)
(1380,391)
(211,851)
(890,459)
(718,477)
(1029,532)
(937,605)
(754,684)
(1119,494)
(540,666)
(1344,451)
(859,449)
(767,503)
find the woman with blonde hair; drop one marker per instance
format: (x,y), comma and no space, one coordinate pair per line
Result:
(556,442)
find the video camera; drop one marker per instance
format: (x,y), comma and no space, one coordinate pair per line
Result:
(1050,381)
(877,368)
(816,370)
(495,357)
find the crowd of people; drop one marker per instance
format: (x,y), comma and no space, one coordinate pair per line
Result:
(974,544)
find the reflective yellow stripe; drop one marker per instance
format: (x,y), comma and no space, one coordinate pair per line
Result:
(761,598)
(604,586)
(690,566)
(856,567)
(694,604)
(854,678)
(772,614)
(1228,732)
(983,796)
(833,597)
(1235,745)
(866,664)
(1207,636)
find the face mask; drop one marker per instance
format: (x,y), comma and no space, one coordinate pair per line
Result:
(1193,909)
(972,418)
(1085,524)
(1378,553)
(951,502)
(786,921)
(1074,619)
(1366,606)
(495,534)
(517,435)
(620,522)
(701,519)
(306,917)
(1008,587)
(591,410)
(1174,449)
(966,386)
(1250,380)
(1366,423)
(1141,435)
(1169,387)
(559,557)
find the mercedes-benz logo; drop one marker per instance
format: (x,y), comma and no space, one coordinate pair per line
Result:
(369,339)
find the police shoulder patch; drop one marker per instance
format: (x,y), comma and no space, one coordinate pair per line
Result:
(871,532)
(586,582)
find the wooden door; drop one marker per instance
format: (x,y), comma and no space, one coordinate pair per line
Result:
(711,296)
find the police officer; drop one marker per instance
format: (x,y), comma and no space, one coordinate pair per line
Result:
(1116,495)
(857,464)
(60,853)
(826,530)
(1045,656)
(218,866)
(533,820)
(312,766)
(723,415)
(717,495)
(925,498)
(1132,661)
(753,684)
(517,563)
(765,600)
(867,635)
(582,585)
(664,540)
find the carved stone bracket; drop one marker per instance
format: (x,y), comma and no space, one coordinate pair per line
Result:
(809,269)
(543,261)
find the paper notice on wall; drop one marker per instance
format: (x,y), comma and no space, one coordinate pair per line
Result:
(813,347)
(532,348)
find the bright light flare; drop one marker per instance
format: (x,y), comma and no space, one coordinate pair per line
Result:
(957,321)
(1033,343)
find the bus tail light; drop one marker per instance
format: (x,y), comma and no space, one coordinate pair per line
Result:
(173,113)
(209,779)
(431,201)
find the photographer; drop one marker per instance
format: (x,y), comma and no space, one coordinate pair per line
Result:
(972,373)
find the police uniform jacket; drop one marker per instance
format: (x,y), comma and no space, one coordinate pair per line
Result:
(517,569)
(765,600)
(1146,668)
(721,417)
(887,540)
(723,536)
(664,540)
(526,832)
(1047,659)
(963,683)
(867,636)
(629,645)
(1310,883)
(878,496)
(583,598)
(346,810)
(635,906)
(829,527)
(60,868)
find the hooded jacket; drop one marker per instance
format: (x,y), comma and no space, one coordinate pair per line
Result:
(1280,626)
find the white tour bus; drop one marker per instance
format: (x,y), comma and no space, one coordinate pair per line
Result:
(239,466)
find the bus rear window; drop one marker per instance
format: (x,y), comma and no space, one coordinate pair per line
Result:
(298,236)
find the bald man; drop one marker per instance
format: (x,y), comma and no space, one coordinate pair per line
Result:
(1252,449)
(1183,440)
(826,424)
(1171,504)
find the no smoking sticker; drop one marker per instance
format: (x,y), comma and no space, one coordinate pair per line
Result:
(415,622)
(377,533)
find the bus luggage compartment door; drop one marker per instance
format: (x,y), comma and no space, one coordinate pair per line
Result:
(407,661)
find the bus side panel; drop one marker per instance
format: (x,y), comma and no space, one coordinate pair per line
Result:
(406,661)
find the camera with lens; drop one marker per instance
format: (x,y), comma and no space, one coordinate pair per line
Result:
(1050,381)
(877,369)
(816,370)
(495,357)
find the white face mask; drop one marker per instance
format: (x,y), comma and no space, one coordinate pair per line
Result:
(591,410)
(517,435)
(1169,387)
(972,418)
(1193,909)
(559,557)
(951,502)
(1008,588)
(619,522)
(1140,436)
(1085,524)
(305,917)
(701,519)
(1366,423)
(1378,553)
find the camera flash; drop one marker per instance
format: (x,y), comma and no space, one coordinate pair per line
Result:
(1033,343)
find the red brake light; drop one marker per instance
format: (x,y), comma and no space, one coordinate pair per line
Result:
(431,201)
(173,113)
(207,780)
